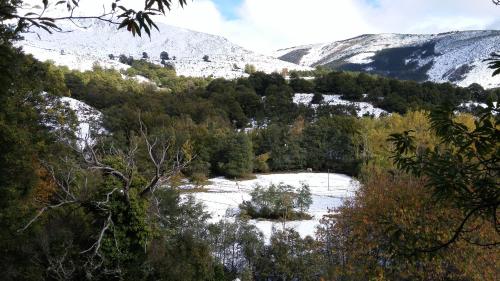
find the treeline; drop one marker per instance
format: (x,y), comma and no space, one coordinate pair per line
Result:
(214,115)
(389,94)
(281,134)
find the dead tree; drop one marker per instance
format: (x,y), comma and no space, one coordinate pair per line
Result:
(74,180)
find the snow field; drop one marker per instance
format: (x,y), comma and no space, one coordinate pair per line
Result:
(222,197)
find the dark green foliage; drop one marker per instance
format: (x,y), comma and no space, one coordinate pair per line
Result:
(477,93)
(340,84)
(300,85)
(494,63)
(293,258)
(390,94)
(330,143)
(260,81)
(317,98)
(178,253)
(236,156)
(164,56)
(27,138)
(126,60)
(285,150)
(236,245)
(278,104)
(393,63)
(336,110)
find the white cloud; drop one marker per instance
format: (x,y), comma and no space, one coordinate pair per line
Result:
(431,16)
(266,25)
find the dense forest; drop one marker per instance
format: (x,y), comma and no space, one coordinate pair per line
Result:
(107,207)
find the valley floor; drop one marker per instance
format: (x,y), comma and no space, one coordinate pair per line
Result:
(222,197)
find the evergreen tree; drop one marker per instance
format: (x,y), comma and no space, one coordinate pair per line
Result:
(317,98)
(164,56)
(304,199)
(238,157)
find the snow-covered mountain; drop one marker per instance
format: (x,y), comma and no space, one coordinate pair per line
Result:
(93,43)
(455,57)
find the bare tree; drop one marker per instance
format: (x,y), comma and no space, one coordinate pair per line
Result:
(77,185)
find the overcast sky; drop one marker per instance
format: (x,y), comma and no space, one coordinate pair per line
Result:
(267,25)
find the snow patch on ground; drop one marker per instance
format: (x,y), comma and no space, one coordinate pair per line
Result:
(364,108)
(363,58)
(223,197)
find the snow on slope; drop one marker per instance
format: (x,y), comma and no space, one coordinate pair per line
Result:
(88,118)
(83,46)
(363,108)
(456,57)
(222,197)
(365,45)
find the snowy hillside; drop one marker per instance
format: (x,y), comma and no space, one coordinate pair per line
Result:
(455,57)
(94,42)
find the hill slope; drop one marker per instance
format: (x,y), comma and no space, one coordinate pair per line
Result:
(83,46)
(455,57)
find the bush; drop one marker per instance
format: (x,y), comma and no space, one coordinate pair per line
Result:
(164,56)
(126,60)
(279,202)
(317,98)
(260,163)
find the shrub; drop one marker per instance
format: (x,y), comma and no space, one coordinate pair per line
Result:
(282,202)
(317,98)
(164,56)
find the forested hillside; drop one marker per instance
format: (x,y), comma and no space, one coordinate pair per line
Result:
(99,171)
(60,204)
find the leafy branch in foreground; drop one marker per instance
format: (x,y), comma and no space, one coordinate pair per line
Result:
(463,170)
(494,63)
(136,21)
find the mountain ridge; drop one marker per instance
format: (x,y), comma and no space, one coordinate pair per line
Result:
(84,46)
(456,56)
